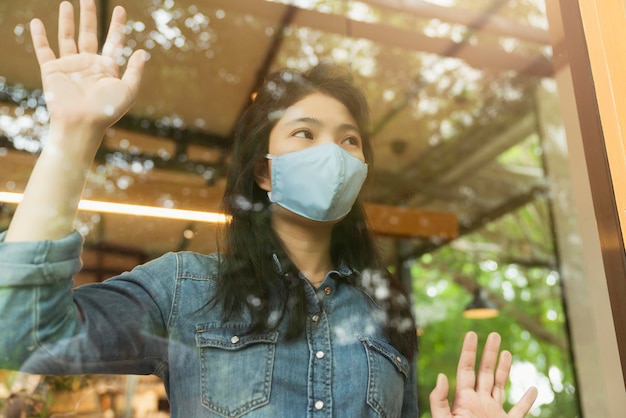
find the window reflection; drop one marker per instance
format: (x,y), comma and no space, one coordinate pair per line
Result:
(453,134)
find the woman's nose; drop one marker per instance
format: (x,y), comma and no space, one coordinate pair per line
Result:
(326,138)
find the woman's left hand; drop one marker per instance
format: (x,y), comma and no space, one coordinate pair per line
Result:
(482,395)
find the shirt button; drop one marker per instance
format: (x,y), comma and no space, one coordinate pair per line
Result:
(319,405)
(319,354)
(234,339)
(328,290)
(399,359)
(315,318)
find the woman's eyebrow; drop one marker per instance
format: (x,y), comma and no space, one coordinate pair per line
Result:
(314,121)
(348,127)
(310,120)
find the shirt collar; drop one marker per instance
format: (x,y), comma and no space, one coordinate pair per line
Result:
(342,271)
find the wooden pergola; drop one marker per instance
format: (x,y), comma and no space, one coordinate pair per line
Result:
(172,149)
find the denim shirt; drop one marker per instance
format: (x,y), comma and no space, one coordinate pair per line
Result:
(156,320)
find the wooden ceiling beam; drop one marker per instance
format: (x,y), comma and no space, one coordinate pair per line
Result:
(477,56)
(404,222)
(480,220)
(454,15)
(496,25)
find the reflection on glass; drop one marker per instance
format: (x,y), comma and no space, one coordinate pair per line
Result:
(451,134)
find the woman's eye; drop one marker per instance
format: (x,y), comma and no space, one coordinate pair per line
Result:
(352,140)
(303,134)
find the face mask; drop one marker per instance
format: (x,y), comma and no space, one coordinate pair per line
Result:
(320,183)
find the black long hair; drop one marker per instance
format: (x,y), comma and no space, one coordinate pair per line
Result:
(249,279)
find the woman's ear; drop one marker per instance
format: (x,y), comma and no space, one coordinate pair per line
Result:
(262,175)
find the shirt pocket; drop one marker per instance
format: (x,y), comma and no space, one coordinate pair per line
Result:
(235,367)
(387,374)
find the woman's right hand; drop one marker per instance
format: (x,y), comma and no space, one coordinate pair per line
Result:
(80,86)
(85,95)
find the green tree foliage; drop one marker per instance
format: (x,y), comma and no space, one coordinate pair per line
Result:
(521,278)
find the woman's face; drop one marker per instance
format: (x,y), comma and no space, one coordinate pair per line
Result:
(315,120)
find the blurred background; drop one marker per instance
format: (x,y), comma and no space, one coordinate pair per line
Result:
(467,193)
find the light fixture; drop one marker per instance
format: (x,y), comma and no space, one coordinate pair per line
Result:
(136,210)
(481,307)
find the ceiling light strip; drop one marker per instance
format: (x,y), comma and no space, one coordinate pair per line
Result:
(136,210)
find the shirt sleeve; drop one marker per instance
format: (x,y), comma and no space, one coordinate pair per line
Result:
(50,327)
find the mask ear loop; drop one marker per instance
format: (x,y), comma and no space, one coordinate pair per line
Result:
(269,193)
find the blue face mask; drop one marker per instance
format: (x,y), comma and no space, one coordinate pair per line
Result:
(320,183)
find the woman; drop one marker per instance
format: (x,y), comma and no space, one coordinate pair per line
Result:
(293,318)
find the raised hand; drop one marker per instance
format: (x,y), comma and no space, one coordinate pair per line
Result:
(84,95)
(81,86)
(482,395)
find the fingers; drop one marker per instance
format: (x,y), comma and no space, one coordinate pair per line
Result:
(502,376)
(87,37)
(67,44)
(465,376)
(490,382)
(439,406)
(40,42)
(486,369)
(134,70)
(88,27)
(522,407)
(115,38)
